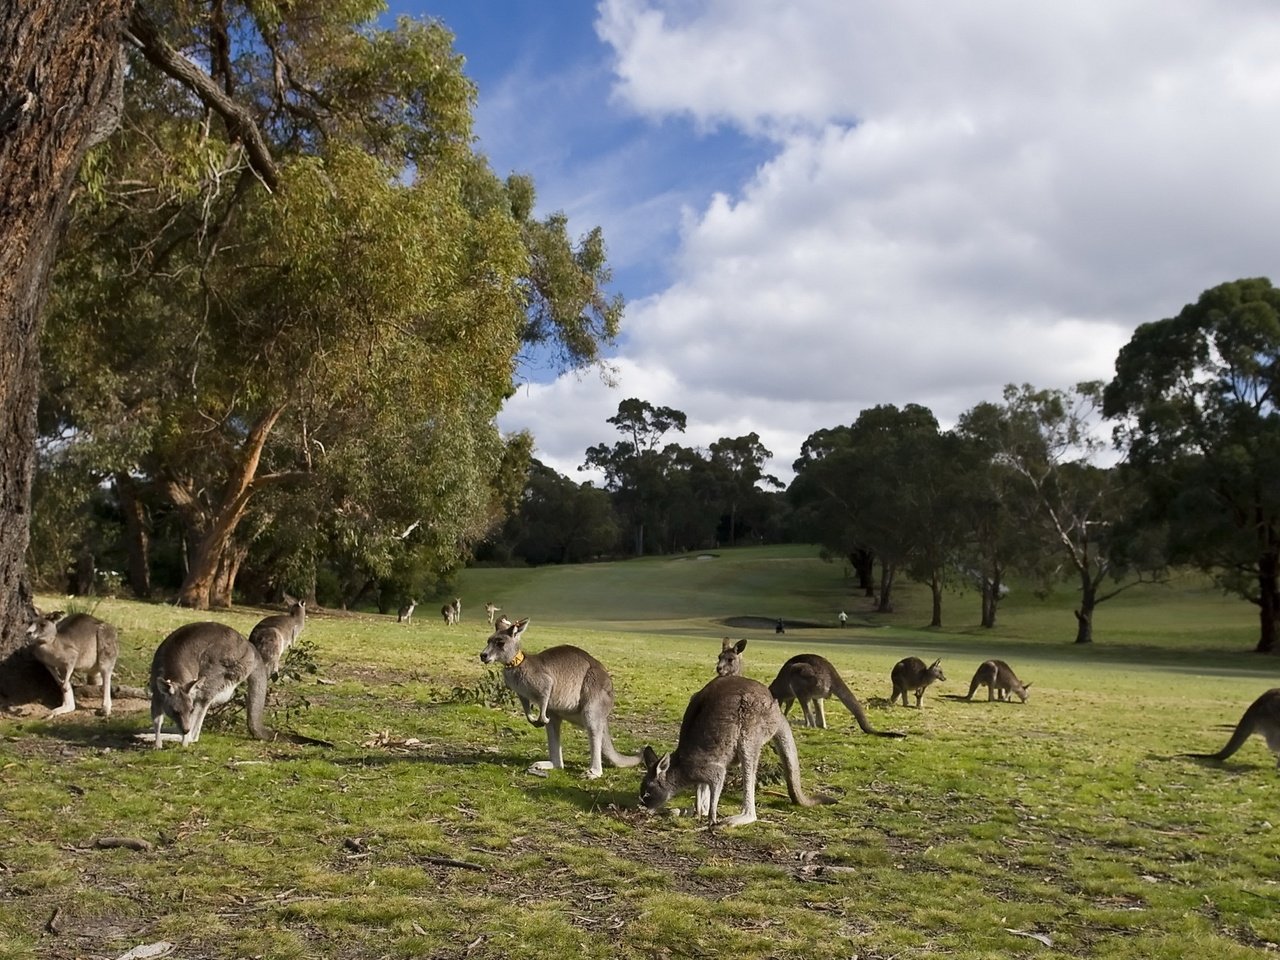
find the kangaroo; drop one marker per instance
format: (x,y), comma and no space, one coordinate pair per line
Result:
(405,613)
(491,612)
(729,663)
(199,666)
(558,684)
(452,612)
(78,642)
(1000,680)
(811,679)
(910,673)
(1263,716)
(275,635)
(731,718)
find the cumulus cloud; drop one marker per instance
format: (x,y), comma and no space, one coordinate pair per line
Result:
(959,196)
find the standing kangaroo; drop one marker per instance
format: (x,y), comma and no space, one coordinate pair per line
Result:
(811,679)
(491,612)
(275,635)
(910,673)
(199,666)
(78,642)
(560,683)
(729,719)
(405,613)
(1263,716)
(1000,681)
(452,612)
(729,663)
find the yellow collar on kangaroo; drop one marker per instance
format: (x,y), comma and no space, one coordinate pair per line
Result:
(517,659)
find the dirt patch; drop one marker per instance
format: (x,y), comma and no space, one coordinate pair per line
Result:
(771,623)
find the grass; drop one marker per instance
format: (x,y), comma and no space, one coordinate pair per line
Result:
(420,833)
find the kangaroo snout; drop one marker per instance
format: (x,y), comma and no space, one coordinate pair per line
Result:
(486,656)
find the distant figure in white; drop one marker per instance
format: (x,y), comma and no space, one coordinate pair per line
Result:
(78,642)
(843,618)
(199,666)
(560,683)
(491,611)
(406,612)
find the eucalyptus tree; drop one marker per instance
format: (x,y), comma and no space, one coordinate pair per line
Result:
(1197,398)
(1050,439)
(636,470)
(326,302)
(738,466)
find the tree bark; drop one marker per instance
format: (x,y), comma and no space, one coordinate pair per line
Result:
(137,536)
(1268,601)
(1084,616)
(885,604)
(61,77)
(224,579)
(935,585)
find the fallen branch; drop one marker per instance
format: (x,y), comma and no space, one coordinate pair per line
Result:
(451,862)
(129,843)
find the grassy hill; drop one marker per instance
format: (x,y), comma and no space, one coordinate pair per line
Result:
(1063,827)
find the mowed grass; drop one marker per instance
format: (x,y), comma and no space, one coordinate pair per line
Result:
(421,833)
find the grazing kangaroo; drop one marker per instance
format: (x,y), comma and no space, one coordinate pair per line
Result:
(729,719)
(811,679)
(199,666)
(910,673)
(405,613)
(78,642)
(558,684)
(491,612)
(275,635)
(1263,716)
(729,663)
(999,679)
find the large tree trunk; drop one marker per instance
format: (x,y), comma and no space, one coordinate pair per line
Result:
(137,536)
(863,562)
(224,579)
(1084,616)
(935,585)
(1268,601)
(885,603)
(198,587)
(60,84)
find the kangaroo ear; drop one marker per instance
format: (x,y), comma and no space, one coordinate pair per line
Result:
(191,686)
(663,765)
(740,645)
(649,757)
(55,616)
(935,663)
(169,685)
(517,628)
(725,643)
(1026,686)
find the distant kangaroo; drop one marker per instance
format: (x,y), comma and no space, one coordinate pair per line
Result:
(274,635)
(729,663)
(452,612)
(910,673)
(1263,716)
(1000,681)
(811,679)
(560,683)
(491,612)
(405,614)
(729,719)
(78,642)
(199,666)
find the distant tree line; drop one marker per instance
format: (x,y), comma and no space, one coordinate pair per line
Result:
(1175,461)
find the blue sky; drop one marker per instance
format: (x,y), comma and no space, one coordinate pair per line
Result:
(819,206)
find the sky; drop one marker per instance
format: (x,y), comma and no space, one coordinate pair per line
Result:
(818,206)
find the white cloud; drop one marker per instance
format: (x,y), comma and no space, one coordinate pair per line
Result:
(960,196)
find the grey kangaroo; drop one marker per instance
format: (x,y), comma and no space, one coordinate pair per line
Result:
(1000,680)
(405,613)
(729,663)
(199,666)
(275,635)
(729,719)
(811,679)
(558,684)
(1263,716)
(491,612)
(452,612)
(78,642)
(910,673)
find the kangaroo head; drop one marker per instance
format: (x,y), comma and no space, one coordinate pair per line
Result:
(935,669)
(44,629)
(1022,692)
(729,663)
(656,787)
(505,642)
(180,700)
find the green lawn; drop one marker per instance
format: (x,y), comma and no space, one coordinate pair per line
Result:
(420,832)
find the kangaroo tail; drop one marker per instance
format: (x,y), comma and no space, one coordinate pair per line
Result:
(784,744)
(255,700)
(841,690)
(611,753)
(972,688)
(1244,730)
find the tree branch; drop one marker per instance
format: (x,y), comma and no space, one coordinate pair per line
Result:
(145,35)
